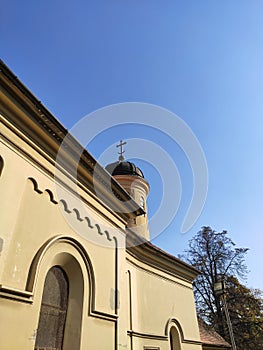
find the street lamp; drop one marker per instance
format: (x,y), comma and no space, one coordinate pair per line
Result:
(219,289)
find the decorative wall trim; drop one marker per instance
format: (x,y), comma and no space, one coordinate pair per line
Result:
(16,294)
(157,274)
(103,315)
(50,175)
(147,335)
(35,266)
(27,294)
(165,337)
(88,222)
(172,322)
(104,232)
(194,342)
(28,116)
(35,184)
(79,218)
(51,196)
(153,256)
(65,207)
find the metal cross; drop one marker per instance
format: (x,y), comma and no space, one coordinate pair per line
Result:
(122,143)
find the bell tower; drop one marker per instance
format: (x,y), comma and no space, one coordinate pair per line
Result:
(131,178)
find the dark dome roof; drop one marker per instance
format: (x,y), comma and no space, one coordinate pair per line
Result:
(124,168)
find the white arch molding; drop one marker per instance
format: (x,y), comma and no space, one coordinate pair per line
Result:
(174,332)
(67,254)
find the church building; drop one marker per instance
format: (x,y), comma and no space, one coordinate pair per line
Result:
(77,270)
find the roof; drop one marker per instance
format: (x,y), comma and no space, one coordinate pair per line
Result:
(124,168)
(154,256)
(210,337)
(24,111)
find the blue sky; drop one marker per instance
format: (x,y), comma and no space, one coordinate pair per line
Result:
(201,59)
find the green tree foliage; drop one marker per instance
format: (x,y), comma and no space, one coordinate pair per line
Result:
(246,312)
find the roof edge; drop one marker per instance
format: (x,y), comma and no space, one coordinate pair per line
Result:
(154,256)
(46,131)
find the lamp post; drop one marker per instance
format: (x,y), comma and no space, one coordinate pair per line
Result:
(219,289)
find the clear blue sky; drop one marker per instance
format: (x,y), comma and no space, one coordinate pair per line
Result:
(201,59)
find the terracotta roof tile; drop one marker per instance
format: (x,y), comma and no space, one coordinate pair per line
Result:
(210,337)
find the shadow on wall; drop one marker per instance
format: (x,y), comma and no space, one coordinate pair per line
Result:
(1,165)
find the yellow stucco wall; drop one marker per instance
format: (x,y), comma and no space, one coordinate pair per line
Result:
(159,301)
(36,234)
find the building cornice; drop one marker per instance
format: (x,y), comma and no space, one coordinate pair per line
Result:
(27,114)
(151,255)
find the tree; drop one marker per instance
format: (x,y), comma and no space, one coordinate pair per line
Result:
(246,312)
(214,254)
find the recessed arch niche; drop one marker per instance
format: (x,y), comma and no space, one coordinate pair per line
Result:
(64,263)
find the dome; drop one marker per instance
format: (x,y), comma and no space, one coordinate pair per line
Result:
(124,168)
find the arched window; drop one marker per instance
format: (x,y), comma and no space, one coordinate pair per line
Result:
(174,339)
(51,325)
(142,202)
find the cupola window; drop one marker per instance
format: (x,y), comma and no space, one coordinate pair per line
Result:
(142,202)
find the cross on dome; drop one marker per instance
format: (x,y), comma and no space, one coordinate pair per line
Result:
(121,157)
